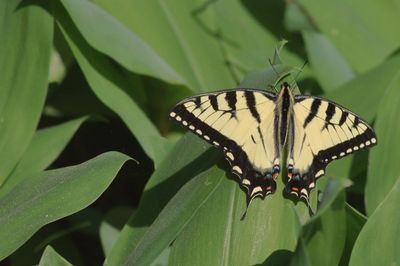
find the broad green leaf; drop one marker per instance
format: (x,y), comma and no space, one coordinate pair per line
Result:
(330,68)
(362,96)
(362,31)
(48,196)
(27,34)
(45,147)
(325,233)
(178,167)
(111,88)
(383,169)
(126,47)
(259,33)
(50,257)
(216,235)
(379,240)
(354,223)
(295,19)
(181,32)
(176,214)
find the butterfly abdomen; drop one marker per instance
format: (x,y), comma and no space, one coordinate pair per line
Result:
(283,111)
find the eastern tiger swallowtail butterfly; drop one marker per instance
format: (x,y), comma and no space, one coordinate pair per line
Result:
(252,126)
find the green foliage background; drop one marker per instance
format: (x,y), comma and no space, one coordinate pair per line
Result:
(92,171)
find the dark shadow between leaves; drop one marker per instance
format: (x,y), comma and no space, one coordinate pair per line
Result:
(309,86)
(280,257)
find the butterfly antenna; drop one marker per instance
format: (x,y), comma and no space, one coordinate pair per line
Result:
(293,85)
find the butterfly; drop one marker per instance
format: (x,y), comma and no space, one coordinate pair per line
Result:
(253,126)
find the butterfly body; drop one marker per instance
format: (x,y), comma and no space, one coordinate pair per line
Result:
(253,126)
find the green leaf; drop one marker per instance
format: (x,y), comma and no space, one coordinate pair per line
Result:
(295,18)
(181,32)
(50,257)
(111,88)
(379,239)
(45,147)
(216,235)
(362,31)
(24,65)
(247,52)
(176,214)
(330,68)
(48,196)
(383,169)
(179,166)
(126,47)
(325,233)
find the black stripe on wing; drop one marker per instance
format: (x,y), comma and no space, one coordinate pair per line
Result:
(314,110)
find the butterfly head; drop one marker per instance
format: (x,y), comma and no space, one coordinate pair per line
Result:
(285,85)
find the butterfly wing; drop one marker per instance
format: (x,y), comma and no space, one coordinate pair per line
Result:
(241,122)
(321,131)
